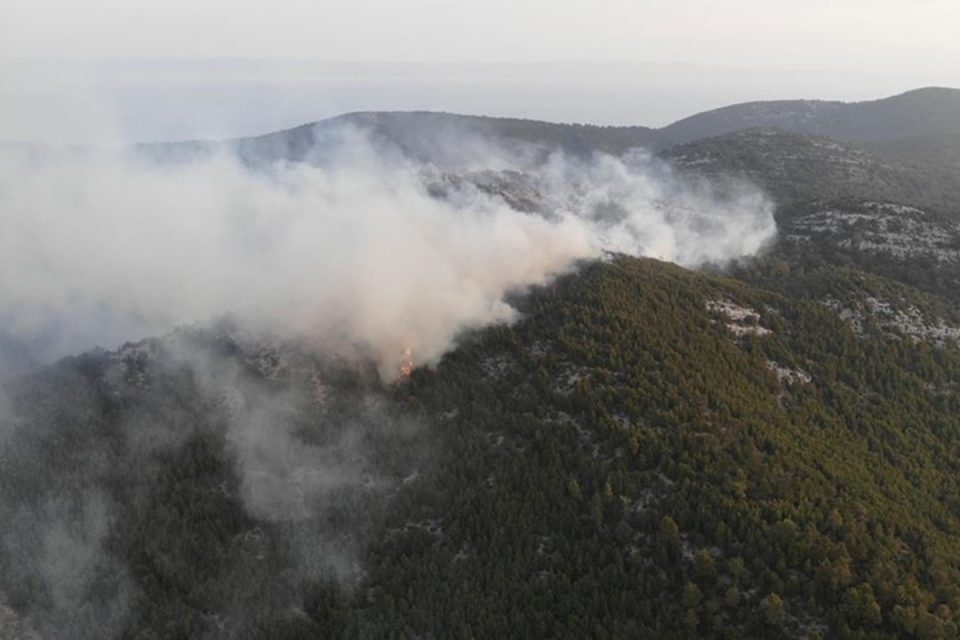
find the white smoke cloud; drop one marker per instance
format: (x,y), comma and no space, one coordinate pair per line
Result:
(355,254)
(636,206)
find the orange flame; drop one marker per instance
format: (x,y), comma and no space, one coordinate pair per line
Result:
(406,364)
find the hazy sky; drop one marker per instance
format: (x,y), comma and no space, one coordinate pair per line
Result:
(673,57)
(862,35)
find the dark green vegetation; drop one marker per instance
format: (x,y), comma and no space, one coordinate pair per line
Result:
(619,463)
(657,477)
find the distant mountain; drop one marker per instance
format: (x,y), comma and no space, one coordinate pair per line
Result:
(905,148)
(922,112)
(432,136)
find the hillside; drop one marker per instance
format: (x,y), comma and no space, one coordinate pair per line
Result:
(441,138)
(910,245)
(940,151)
(796,168)
(649,451)
(923,112)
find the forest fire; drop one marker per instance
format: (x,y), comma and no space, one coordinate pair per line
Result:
(406,364)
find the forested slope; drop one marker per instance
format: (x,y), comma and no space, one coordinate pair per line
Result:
(648,451)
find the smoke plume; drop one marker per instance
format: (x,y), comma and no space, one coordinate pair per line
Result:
(359,252)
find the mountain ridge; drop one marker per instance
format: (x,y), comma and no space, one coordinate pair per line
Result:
(939,111)
(674,133)
(888,118)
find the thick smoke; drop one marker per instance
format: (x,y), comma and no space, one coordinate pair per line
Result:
(358,253)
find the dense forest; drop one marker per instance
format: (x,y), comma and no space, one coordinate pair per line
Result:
(648,452)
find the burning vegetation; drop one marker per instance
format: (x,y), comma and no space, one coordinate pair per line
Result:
(406,364)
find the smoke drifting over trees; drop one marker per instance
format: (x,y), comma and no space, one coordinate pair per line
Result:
(336,274)
(356,251)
